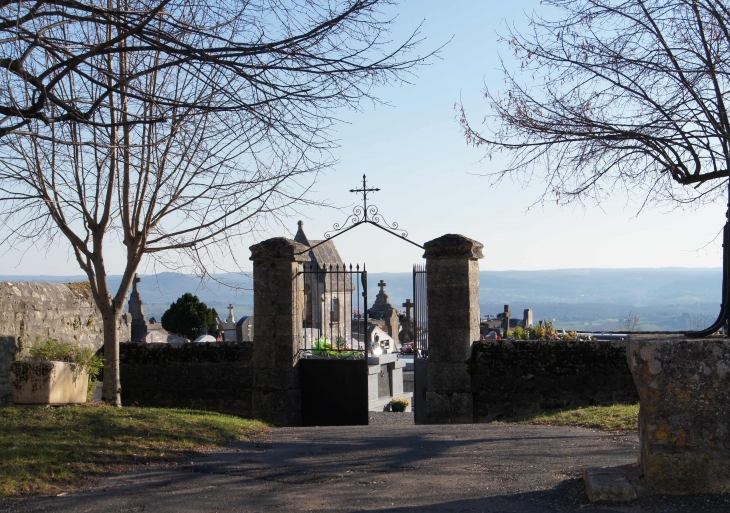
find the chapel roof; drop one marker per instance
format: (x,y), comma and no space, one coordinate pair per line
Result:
(323,254)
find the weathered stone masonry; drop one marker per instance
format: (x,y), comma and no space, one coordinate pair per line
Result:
(453,324)
(684,421)
(214,376)
(528,376)
(278,303)
(33,312)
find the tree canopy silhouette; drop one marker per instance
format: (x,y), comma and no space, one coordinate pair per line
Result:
(628,95)
(187,315)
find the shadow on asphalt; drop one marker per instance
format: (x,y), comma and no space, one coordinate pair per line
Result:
(445,468)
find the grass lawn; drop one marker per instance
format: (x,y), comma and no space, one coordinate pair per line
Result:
(44,450)
(618,417)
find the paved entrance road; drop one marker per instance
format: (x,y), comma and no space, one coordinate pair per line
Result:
(393,468)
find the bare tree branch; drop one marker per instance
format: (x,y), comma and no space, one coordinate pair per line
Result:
(176,128)
(625,92)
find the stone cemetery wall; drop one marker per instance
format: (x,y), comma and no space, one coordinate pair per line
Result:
(215,376)
(518,377)
(30,313)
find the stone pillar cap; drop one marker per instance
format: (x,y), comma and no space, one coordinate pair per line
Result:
(281,249)
(453,245)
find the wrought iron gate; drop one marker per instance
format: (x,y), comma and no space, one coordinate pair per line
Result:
(420,331)
(335,310)
(420,311)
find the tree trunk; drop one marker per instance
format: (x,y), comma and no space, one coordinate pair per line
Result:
(111,391)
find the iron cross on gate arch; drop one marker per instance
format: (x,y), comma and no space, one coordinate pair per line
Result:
(365,214)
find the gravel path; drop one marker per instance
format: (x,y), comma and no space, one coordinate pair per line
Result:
(390,466)
(377,418)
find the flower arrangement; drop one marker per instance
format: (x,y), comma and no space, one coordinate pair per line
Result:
(398,405)
(545,330)
(408,347)
(339,349)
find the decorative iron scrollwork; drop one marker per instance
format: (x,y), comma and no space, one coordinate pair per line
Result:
(369,214)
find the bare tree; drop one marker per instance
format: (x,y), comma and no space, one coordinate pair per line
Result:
(695,322)
(277,59)
(617,94)
(176,158)
(632,323)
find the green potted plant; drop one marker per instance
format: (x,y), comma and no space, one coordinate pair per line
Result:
(399,405)
(55,373)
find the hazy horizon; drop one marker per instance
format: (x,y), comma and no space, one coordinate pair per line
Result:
(588,299)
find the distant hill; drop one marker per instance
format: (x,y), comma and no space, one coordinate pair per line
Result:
(590,299)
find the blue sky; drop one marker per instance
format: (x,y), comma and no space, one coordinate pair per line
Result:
(415,153)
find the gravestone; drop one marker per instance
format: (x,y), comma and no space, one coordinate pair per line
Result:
(381,305)
(527,318)
(229,326)
(505,316)
(406,333)
(245,329)
(139,324)
(392,324)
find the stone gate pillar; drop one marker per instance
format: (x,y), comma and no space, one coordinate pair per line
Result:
(453,326)
(278,308)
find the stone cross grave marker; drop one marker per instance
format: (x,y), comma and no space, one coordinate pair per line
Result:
(505,320)
(408,305)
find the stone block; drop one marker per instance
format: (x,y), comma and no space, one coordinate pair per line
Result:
(373,373)
(453,246)
(609,485)
(453,345)
(280,377)
(48,383)
(684,434)
(448,377)
(397,377)
(449,408)
(277,407)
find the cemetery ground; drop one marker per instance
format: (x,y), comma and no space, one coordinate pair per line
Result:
(177,460)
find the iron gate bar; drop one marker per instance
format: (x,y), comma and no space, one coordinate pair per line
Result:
(329,308)
(365,214)
(420,311)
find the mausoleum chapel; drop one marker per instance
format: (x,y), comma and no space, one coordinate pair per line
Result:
(332,312)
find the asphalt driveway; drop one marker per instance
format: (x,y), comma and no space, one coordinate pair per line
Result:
(390,465)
